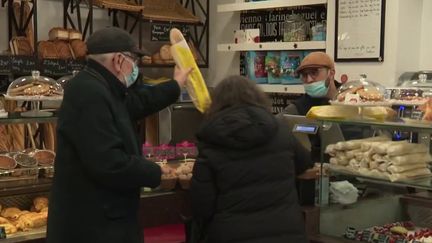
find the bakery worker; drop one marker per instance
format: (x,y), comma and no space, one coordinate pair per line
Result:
(317,73)
(99,169)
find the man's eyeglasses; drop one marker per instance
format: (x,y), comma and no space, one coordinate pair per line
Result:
(312,72)
(133,57)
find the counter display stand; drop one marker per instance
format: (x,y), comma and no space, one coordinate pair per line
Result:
(392,194)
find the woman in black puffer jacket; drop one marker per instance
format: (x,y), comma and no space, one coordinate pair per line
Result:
(243,185)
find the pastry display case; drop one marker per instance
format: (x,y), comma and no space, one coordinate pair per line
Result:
(63,80)
(34,88)
(376,189)
(360,92)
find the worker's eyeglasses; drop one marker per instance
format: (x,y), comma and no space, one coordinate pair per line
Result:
(133,57)
(312,72)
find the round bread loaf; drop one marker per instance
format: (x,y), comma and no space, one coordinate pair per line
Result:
(79,48)
(47,50)
(165,53)
(63,49)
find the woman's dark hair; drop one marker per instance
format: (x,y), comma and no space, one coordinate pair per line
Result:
(237,90)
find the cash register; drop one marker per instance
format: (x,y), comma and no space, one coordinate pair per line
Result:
(312,135)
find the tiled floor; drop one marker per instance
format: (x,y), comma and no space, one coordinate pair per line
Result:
(165,234)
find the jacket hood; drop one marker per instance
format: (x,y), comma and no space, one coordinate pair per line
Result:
(240,127)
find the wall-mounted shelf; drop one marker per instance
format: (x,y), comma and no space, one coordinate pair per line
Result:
(233,7)
(268,46)
(282,88)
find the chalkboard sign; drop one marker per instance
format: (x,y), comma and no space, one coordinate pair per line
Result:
(23,65)
(75,65)
(54,67)
(359,34)
(281,100)
(271,22)
(160,32)
(5,64)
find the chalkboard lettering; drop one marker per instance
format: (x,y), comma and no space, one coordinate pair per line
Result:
(160,32)
(4,64)
(54,67)
(75,65)
(23,64)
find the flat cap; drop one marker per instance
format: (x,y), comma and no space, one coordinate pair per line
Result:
(315,60)
(112,39)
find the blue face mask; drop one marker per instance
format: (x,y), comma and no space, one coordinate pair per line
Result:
(132,77)
(316,89)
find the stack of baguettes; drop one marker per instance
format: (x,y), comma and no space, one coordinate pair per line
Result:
(380,157)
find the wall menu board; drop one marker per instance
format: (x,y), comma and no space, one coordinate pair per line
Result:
(359,32)
(271,22)
(24,65)
(160,32)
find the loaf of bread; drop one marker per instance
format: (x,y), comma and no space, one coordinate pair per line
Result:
(58,33)
(21,46)
(47,50)
(74,34)
(165,53)
(63,49)
(79,49)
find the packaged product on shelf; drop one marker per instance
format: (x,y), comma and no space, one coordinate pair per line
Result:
(246,36)
(255,66)
(295,28)
(381,158)
(319,32)
(272,66)
(289,62)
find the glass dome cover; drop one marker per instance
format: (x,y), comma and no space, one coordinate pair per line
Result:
(420,79)
(360,91)
(34,87)
(63,80)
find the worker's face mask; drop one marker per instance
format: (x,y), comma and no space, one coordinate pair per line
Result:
(317,89)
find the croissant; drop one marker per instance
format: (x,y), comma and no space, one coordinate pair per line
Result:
(40,203)
(11,213)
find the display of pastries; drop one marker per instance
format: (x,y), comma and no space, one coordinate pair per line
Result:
(44,157)
(34,85)
(379,157)
(7,162)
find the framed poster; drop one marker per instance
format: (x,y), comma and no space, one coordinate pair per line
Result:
(359,31)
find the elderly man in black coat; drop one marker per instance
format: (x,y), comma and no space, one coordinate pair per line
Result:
(99,169)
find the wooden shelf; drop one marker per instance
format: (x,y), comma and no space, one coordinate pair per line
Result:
(282,88)
(15,117)
(233,7)
(268,46)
